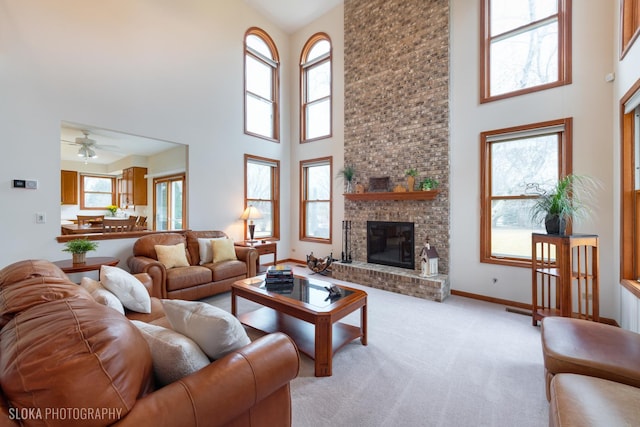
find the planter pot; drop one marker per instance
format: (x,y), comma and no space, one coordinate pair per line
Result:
(411,183)
(79,258)
(555,224)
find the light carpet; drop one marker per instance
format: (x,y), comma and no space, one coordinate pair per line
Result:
(458,363)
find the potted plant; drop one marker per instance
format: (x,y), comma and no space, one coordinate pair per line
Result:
(348,172)
(428,184)
(411,178)
(79,249)
(113,209)
(565,202)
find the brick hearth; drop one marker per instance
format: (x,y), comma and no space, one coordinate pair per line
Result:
(394,279)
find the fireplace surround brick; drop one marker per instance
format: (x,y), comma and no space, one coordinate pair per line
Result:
(396,118)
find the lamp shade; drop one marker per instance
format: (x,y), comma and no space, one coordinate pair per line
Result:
(251,213)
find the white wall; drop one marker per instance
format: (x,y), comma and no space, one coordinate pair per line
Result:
(331,23)
(588,100)
(165,70)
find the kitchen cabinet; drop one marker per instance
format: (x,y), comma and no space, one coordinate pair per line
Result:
(68,187)
(134,187)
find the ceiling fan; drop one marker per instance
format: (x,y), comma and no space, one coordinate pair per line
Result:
(88,146)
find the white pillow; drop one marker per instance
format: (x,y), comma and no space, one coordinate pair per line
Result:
(129,290)
(174,355)
(214,330)
(105,297)
(206,252)
(101,295)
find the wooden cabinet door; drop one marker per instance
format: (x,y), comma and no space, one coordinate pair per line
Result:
(139,186)
(68,187)
(134,186)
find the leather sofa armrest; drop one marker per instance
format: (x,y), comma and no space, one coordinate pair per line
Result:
(155,269)
(226,389)
(250,257)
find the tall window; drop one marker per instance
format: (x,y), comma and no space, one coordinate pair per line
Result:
(518,165)
(630,23)
(630,186)
(97,192)
(261,90)
(315,78)
(168,194)
(526,46)
(316,192)
(262,190)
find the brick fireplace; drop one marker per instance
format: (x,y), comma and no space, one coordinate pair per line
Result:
(397,118)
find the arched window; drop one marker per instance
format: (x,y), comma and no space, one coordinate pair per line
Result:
(261,75)
(315,93)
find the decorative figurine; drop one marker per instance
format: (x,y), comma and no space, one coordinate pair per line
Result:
(428,260)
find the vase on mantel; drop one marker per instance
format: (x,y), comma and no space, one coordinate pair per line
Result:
(411,182)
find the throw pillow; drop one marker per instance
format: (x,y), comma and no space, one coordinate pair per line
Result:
(223,250)
(129,290)
(172,255)
(206,252)
(174,355)
(101,295)
(89,284)
(214,330)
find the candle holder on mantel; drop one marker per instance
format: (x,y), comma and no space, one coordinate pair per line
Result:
(346,242)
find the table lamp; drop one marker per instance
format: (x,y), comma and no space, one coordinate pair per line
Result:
(251,213)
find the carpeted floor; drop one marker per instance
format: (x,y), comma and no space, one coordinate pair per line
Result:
(458,363)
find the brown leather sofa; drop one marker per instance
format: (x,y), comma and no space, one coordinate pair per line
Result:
(592,373)
(196,281)
(66,360)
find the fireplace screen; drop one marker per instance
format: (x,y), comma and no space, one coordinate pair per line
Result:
(390,243)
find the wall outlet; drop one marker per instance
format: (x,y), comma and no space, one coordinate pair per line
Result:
(41,217)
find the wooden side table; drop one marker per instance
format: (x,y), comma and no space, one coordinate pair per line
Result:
(564,276)
(91,264)
(263,249)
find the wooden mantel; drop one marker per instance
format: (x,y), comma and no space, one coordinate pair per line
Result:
(399,195)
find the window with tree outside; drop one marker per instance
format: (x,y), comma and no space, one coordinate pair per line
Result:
(261,191)
(316,88)
(97,192)
(316,200)
(518,166)
(527,46)
(261,85)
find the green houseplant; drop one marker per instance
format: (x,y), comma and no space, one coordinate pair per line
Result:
(565,202)
(348,172)
(79,249)
(428,184)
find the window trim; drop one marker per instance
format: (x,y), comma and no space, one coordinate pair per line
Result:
(275,80)
(275,194)
(564,52)
(629,25)
(304,164)
(629,209)
(565,167)
(305,66)
(82,191)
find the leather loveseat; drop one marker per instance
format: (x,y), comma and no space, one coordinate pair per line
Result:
(66,360)
(195,281)
(592,373)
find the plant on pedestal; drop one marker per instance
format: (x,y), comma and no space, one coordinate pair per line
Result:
(565,202)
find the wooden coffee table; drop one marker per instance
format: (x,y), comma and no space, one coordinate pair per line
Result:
(306,314)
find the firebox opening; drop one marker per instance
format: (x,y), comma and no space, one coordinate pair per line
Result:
(391,243)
